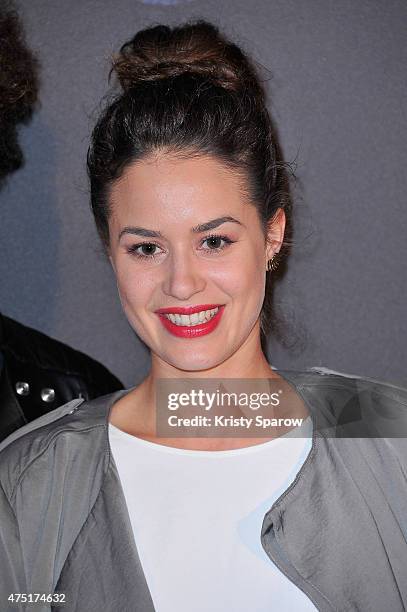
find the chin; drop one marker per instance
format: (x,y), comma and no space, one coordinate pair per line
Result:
(195,362)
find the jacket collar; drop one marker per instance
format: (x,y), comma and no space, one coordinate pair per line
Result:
(101,409)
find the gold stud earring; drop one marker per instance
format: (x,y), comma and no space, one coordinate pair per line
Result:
(272,264)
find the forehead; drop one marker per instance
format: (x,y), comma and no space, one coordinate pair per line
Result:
(167,187)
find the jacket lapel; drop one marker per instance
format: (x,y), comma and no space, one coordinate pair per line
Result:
(103,570)
(339,531)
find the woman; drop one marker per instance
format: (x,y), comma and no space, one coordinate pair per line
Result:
(98,511)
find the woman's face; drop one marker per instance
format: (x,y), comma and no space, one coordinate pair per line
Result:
(183,235)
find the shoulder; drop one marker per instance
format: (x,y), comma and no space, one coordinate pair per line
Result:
(359,405)
(358,385)
(326,377)
(319,377)
(363,420)
(57,439)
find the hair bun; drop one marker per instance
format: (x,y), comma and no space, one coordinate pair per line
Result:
(162,52)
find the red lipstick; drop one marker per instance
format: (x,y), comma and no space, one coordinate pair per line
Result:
(190,331)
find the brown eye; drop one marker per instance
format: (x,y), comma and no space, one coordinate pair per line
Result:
(145,250)
(148,249)
(215,242)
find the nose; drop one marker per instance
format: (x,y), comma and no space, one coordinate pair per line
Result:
(183,278)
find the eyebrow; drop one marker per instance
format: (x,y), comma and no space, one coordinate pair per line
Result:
(198,229)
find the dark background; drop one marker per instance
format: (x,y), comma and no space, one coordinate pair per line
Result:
(337,83)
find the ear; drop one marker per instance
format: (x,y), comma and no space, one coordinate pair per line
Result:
(275,233)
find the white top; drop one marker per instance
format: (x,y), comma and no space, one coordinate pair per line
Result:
(197,518)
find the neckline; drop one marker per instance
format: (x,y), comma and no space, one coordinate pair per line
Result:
(287,375)
(234,452)
(290,377)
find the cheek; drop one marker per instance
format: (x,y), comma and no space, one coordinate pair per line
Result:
(244,278)
(135,289)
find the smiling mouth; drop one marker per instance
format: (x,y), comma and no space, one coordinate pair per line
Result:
(197,318)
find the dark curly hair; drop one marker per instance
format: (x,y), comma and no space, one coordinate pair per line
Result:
(187,90)
(18,86)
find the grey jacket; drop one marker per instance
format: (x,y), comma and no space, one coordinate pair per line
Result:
(339,532)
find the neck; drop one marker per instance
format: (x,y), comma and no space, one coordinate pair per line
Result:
(135,413)
(248,361)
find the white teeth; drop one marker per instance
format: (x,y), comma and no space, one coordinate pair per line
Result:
(193,319)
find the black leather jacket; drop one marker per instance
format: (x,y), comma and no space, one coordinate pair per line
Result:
(39,374)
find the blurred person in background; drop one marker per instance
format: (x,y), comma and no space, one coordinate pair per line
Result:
(37,373)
